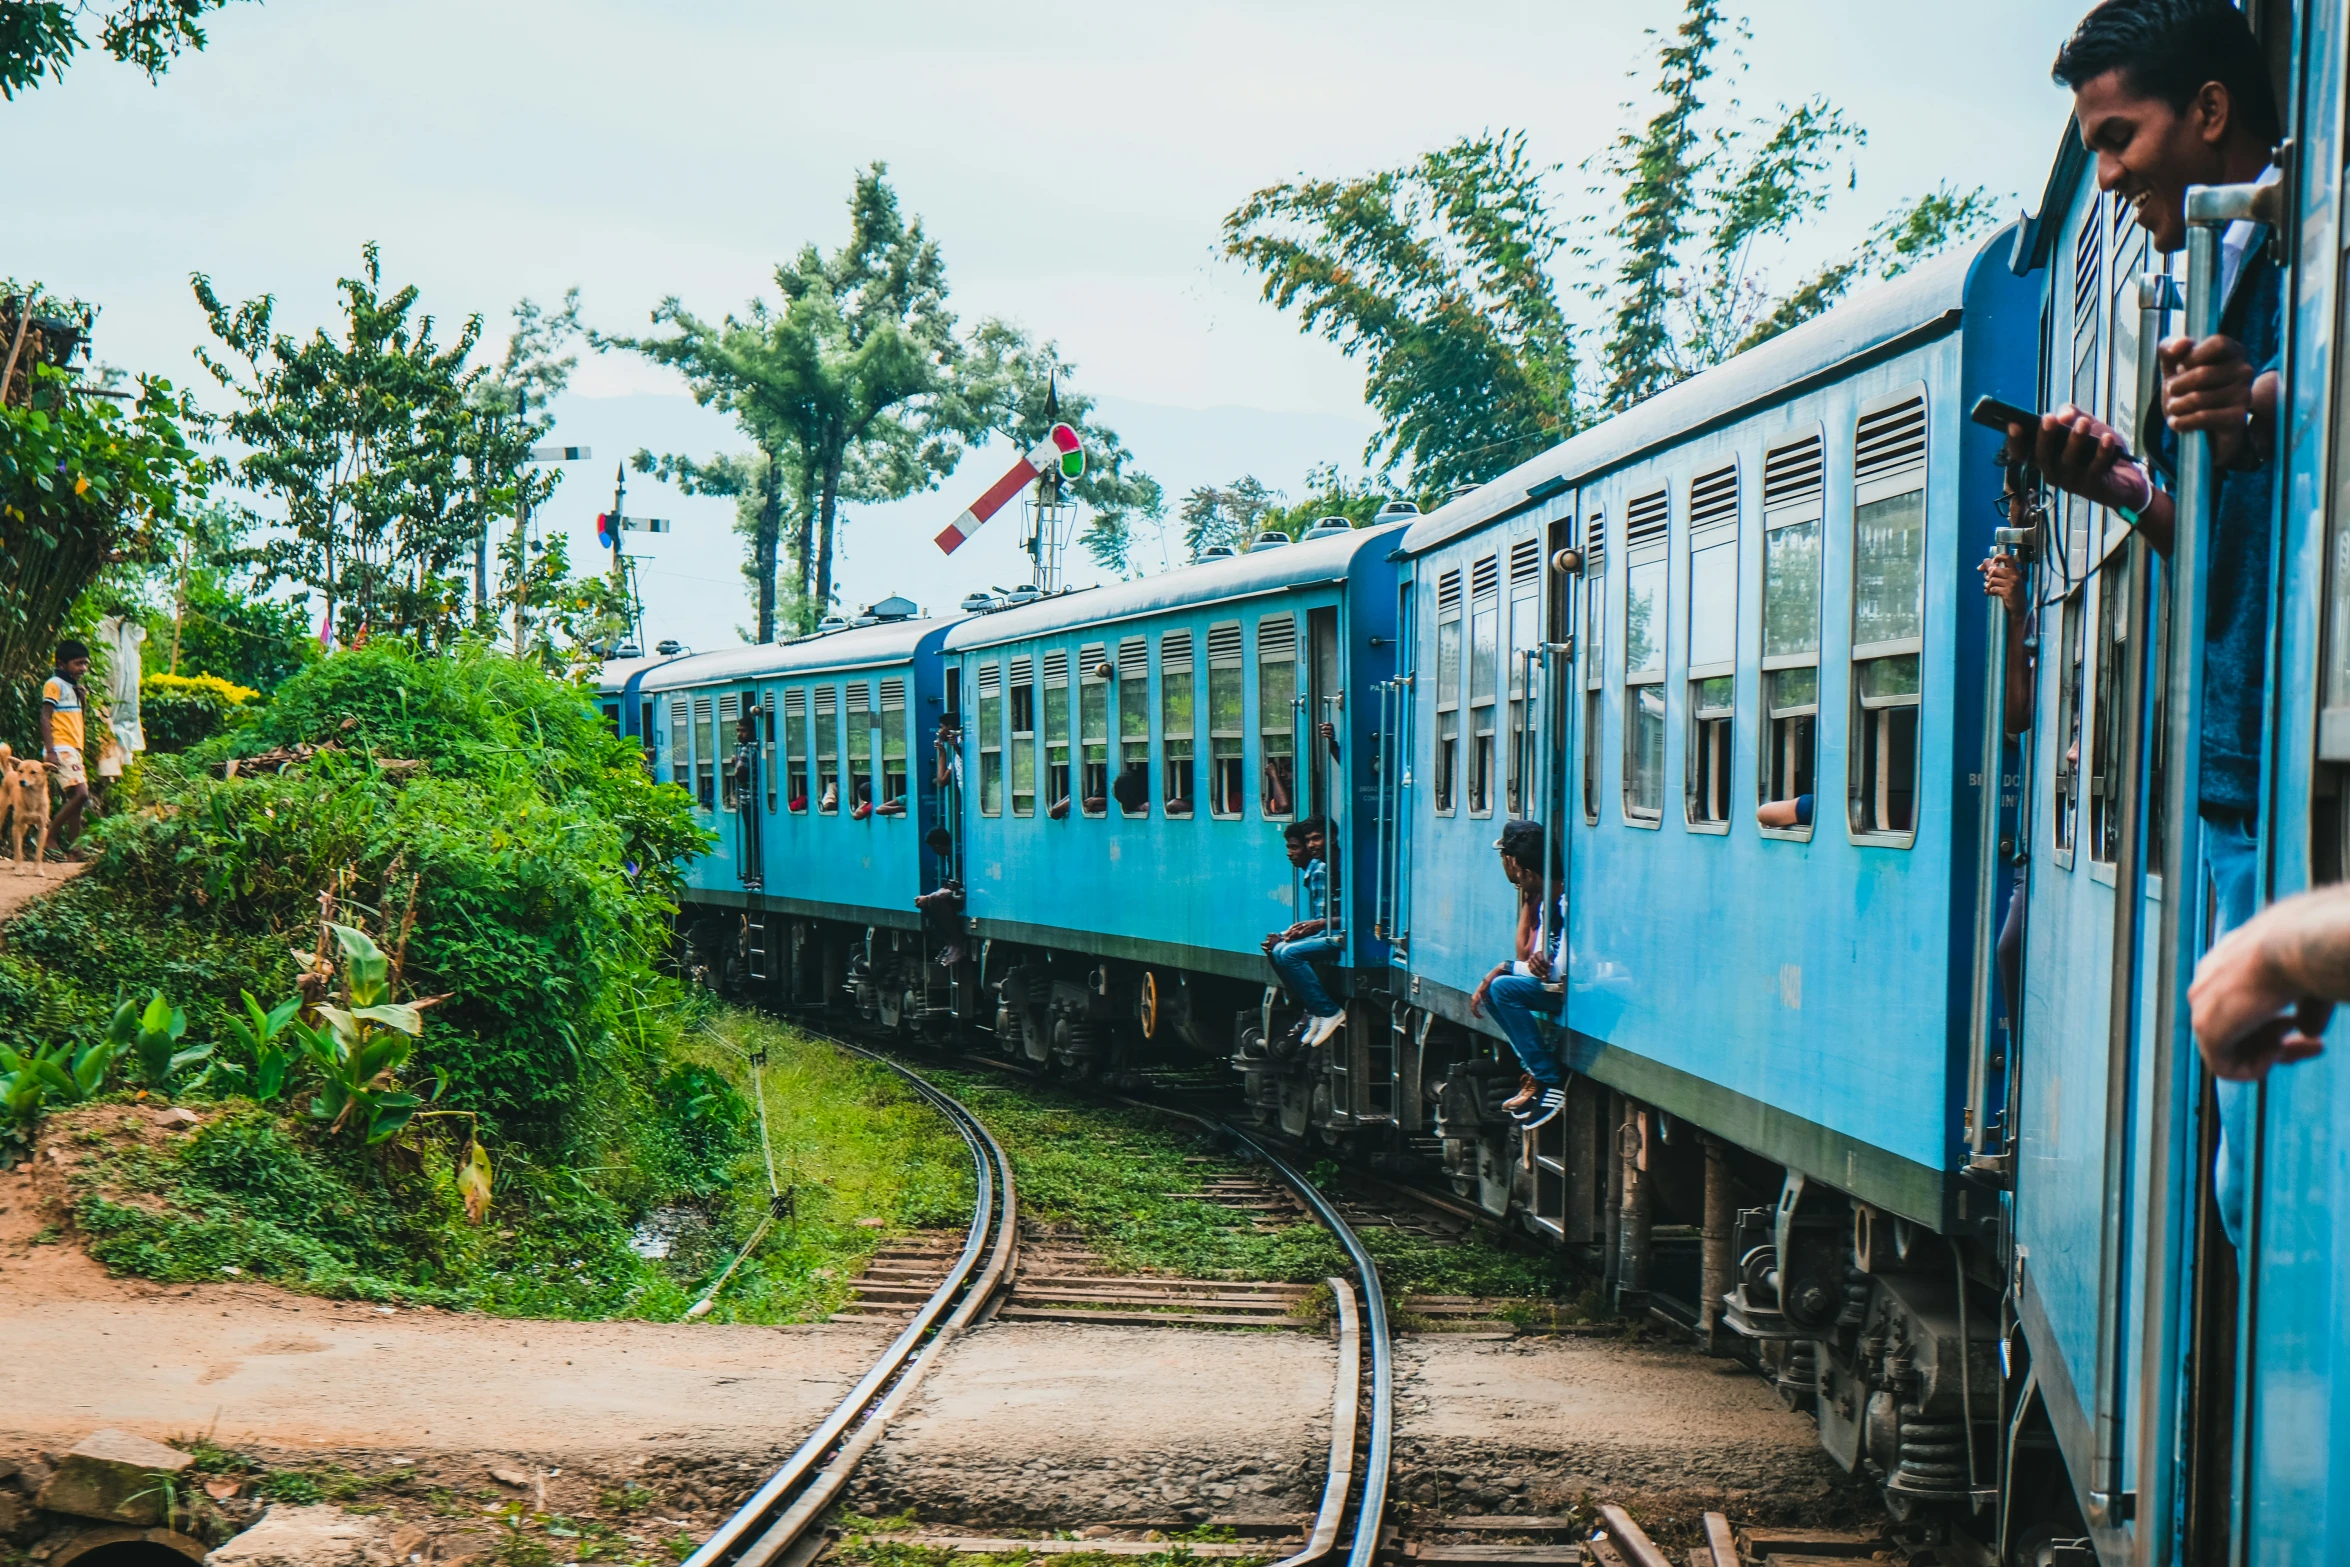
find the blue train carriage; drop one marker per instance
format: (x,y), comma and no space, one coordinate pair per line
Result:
(1759,586)
(807,896)
(1132,754)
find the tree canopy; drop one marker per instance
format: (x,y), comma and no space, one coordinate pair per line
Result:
(1445,276)
(39,38)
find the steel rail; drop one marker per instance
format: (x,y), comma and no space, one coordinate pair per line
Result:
(1365,1545)
(765,1527)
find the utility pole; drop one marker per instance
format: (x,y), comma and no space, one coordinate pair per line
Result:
(619,516)
(538,454)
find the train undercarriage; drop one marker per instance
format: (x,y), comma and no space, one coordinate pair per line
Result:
(1890,1334)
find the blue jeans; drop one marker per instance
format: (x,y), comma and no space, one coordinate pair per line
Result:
(1514,999)
(1294,962)
(2231,859)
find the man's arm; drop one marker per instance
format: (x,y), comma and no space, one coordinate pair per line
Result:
(2294,954)
(2003,579)
(48,746)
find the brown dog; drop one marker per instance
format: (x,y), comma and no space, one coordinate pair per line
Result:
(27,788)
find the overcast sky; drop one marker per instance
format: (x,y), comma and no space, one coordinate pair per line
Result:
(1073,161)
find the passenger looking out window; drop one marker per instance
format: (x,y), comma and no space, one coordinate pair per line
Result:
(2151,147)
(1293,950)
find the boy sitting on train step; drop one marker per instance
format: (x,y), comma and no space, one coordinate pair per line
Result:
(2169,94)
(1519,989)
(1293,950)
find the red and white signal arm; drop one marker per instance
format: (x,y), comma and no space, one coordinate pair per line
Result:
(1060,449)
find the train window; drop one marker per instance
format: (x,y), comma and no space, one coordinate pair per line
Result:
(1093,729)
(1448,691)
(1712,647)
(767,747)
(1056,733)
(795,748)
(1525,646)
(611,711)
(1227,777)
(1794,511)
(991,740)
(860,714)
(729,715)
(681,749)
(648,733)
(705,753)
(1646,524)
(1175,720)
(2065,820)
(2113,635)
(1277,715)
(1023,736)
(827,750)
(1594,657)
(1484,673)
(1888,617)
(893,741)
(1134,724)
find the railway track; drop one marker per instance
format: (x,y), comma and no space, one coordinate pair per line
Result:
(776,1527)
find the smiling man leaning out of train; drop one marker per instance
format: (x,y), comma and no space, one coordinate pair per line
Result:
(2168,94)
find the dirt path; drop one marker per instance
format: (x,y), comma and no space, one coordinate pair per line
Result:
(19,887)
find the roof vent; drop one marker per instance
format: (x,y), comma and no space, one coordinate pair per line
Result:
(895,607)
(1025,593)
(1270,539)
(831,623)
(669,647)
(1328,526)
(978,603)
(1396,511)
(628,650)
(1459,490)
(1217,552)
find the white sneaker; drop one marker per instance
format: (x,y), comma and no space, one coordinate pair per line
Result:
(1321,1028)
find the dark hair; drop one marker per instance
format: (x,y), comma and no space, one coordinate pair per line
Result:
(1307,827)
(1132,788)
(939,839)
(2168,49)
(69,650)
(1521,840)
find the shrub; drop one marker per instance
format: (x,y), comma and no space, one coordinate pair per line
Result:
(178,711)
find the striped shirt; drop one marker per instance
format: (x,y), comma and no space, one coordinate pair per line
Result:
(1313,901)
(64,699)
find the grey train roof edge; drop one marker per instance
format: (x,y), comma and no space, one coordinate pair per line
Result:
(1932,295)
(1203,582)
(861,647)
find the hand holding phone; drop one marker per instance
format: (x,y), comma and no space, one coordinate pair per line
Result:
(1996,414)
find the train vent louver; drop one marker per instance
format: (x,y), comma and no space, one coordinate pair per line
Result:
(1647,520)
(2085,272)
(1795,478)
(1175,651)
(1134,659)
(1056,667)
(701,709)
(1595,545)
(893,696)
(1448,591)
(991,680)
(1089,661)
(1484,577)
(730,707)
(1276,639)
(1713,499)
(1891,445)
(1525,561)
(795,702)
(1023,670)
(1224,644)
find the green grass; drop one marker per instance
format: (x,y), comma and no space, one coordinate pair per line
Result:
(1110,1172)
(256,1193)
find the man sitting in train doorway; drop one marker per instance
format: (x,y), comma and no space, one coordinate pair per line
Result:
(2168,94)
(1522,989)
(1294,950)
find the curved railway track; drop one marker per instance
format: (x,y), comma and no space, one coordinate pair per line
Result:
(775,1527)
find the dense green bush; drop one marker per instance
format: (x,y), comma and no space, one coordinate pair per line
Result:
(178,711)
(474,814)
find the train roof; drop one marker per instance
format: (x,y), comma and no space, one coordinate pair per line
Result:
(860,647)
(1925,302)
(1203,582)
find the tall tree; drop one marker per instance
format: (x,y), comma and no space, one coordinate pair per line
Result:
(761,486)
(1444,275)
(855,370)
(40,37)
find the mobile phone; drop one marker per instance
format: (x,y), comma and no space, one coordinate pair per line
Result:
(1998,415)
